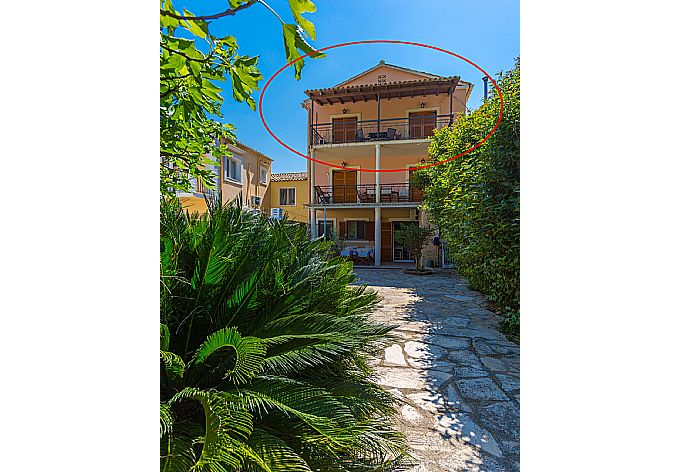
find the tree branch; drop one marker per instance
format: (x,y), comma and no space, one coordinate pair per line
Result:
(228,12)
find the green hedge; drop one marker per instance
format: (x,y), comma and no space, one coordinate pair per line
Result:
(475,199)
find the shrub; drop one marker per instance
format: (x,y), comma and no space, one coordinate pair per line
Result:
(475,199)
(264,349)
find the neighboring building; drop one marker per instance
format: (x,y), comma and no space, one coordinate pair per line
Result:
(245,176)
(290,192)
(379,119)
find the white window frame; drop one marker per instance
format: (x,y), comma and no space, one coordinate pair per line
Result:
(262,169)
(226,171)
(294,189)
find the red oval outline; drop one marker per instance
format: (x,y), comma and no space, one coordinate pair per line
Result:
(381,41)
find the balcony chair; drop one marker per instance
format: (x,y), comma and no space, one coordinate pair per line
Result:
(359,135)
(364,195)
(324,197)
(390,134)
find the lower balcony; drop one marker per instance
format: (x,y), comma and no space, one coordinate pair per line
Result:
(398,194)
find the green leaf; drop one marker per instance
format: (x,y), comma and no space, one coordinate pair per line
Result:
(294,42)
(196,27)
(298,8)
(249,353)
(174,364)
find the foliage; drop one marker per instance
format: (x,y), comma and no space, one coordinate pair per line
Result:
(264,349)
(413,238)
(193,64)
(475,199)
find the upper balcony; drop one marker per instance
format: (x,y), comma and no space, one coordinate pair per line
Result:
(399,111)
(419,125)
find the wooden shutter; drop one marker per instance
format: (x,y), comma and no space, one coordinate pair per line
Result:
(343,230)
(386,242)
(415,192)
(422,123)
(344,186)
(369,230)
(344,129)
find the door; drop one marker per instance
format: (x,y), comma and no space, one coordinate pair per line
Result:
(344,186)
(344,129)
(400,253)
(422,124)
(414,191)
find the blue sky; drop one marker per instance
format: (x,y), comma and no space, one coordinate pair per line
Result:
(484,31)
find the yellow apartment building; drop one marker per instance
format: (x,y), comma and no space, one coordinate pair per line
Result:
(243,177)
(289,194)
(380,119)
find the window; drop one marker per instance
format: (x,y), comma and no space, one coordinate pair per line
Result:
(355,230)
(233,169)
(287,196)
(329,229)
(422,123)
(263,176)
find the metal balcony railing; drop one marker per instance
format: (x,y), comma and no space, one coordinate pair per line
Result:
(389,129)
(366,193)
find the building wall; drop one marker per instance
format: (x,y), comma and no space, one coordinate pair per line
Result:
(393,107)
(388,215)
(322,172)
(295,212)
(250,185)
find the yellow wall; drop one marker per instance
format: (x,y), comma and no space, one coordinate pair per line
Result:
(250,185)
(193,204)
(297,212)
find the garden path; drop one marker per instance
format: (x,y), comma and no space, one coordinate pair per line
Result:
(456,374)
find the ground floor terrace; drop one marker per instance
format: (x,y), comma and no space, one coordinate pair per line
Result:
(456,376)
(367,235)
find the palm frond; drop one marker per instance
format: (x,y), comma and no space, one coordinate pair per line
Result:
(249,353)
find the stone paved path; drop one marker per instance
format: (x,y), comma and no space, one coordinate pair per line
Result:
(457,375)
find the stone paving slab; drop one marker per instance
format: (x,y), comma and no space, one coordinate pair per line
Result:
(456,376)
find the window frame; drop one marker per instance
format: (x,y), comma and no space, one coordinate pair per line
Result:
(358,224)
(227,174)
(319,226)
(294,196)
(263,175)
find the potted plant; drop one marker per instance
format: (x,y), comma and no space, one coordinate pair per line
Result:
(413,238)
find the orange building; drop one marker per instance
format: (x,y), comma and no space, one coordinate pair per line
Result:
(380,119)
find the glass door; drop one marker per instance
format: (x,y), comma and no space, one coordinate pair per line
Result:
(400,254)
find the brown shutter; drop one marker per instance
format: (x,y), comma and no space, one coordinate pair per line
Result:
(386,242)
(343,230)
(369,230)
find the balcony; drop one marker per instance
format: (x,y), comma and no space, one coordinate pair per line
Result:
(402,194)
(390,129)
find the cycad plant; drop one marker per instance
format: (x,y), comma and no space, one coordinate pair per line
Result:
(264,349)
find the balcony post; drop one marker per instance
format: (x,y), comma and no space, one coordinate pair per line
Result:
(378,112)
(377,236)
(377,210)
(378,174)
(451,108)
(311,123)
(312,199)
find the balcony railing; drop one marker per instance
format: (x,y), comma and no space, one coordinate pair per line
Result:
(200,187)
(389,129)
(366,193)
